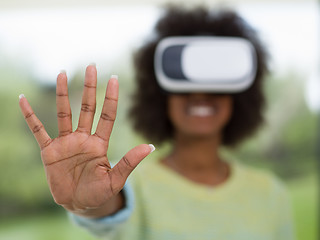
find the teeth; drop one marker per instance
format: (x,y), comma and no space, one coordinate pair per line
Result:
(201,111)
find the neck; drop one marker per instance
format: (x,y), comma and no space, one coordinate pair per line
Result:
(198,159)
(196,152)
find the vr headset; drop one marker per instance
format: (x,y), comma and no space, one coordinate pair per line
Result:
(205,64)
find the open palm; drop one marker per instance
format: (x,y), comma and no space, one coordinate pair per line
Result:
(78,171)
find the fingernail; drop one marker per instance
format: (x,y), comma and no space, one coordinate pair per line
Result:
(93,64)
(21,96)
(114,76)
(152,147)
(63,71)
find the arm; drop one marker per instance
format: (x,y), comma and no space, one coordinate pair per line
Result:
(76,165)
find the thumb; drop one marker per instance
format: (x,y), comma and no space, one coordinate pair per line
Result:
(125,166)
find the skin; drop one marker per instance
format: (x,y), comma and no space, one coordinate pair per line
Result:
(197,138)
(76,164)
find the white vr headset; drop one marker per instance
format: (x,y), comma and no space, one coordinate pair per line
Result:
(205,64)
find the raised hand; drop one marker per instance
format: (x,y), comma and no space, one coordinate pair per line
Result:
(76,164)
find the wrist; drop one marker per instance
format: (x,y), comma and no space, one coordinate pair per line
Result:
(110,207)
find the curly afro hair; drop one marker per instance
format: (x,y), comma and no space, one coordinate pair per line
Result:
(149,109)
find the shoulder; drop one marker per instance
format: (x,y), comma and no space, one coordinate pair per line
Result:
(260,176)
(261,180)
(150,169)
(146,170)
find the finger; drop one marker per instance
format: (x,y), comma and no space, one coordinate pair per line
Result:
(63,106)
(125,166)
(88,105)
(109,110)
(34,123)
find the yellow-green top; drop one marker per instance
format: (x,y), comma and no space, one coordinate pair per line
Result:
(251,204)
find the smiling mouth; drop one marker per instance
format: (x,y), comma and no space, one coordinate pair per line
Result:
(201,111)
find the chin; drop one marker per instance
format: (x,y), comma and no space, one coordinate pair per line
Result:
(202,134)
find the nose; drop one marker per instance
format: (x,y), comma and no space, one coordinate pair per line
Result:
(206,95)
(200,96)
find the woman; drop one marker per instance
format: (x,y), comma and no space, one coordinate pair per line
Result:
(193,193)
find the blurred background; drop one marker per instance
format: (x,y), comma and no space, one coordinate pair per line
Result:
(38,39)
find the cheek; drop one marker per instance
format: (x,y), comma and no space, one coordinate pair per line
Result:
(174,110)
(227,110)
